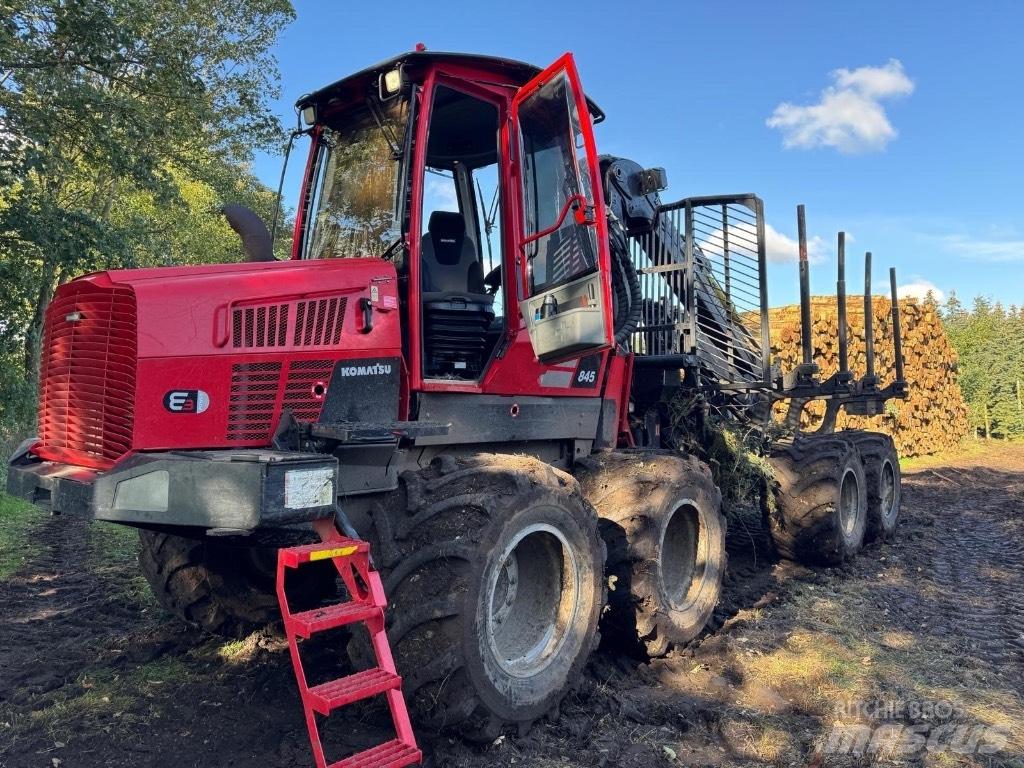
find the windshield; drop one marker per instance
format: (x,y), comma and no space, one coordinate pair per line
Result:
(355,183)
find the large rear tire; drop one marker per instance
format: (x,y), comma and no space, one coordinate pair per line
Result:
(222,589)
(661,520)
(819,515)
(492,565)
(884,482)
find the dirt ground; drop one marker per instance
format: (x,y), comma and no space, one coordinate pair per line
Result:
(918,646)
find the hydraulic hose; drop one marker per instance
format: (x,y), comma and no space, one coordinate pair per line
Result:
(626,284)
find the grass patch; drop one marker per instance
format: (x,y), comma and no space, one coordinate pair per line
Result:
(105,699)
(843,653)
(112,543)
(966,450)
(753,738)
(247,649)
(812,669)
(16,543)
(113,549)
(233,650)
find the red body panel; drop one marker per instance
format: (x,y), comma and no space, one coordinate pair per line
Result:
(617,388)
(252,338)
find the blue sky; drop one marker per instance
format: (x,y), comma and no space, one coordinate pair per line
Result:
(904,121)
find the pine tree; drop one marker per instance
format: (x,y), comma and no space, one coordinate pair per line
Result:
(990,343)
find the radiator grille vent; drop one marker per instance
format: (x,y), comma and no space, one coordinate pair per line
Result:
(319,322)
(305,388)
(87,375)
(259,327)
(254,389)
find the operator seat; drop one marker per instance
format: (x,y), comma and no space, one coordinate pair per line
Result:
(457,310)
(449,260)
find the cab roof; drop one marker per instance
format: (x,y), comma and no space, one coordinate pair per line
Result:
(413,62)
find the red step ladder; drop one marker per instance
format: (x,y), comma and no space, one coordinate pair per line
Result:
(352,559)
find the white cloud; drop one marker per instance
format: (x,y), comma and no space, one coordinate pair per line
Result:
(778,248)
(999,249)
(781,249)
(439,195)
(849,115)
(919,288)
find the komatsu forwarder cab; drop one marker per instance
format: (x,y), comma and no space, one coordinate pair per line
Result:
(450,269)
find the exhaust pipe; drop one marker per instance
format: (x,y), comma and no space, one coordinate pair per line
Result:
(256,240)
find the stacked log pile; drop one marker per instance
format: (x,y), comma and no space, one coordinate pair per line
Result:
(932,417)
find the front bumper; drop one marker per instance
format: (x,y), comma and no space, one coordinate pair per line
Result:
(228,490)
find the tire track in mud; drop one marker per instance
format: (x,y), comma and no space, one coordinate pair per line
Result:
(55,610)
(69,613)
(963,528)
(755,577)
(973,564)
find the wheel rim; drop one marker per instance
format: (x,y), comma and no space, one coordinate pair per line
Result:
(681,568)
(888,491)
(849,503)
(532,596)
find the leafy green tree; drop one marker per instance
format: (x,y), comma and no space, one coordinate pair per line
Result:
(122,123)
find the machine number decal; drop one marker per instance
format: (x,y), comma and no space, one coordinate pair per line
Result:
(586,372)
(308,488)
(186,401)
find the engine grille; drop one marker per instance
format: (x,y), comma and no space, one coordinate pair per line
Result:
(319,322)
(306,323)
(306,386)
(256,389)
(253,397)
(87,375)
(255,327)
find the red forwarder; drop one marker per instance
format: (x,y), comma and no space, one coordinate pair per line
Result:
(485,341)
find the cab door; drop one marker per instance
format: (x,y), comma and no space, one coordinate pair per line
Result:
(562,242)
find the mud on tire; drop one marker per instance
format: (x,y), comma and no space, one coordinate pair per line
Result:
(882,474)
(223,589)
(819,509)
(493,569)
(661,520)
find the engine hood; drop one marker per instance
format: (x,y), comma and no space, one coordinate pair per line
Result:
(196,310)
(212,356)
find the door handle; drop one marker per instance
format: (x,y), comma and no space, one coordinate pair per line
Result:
(367,307)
